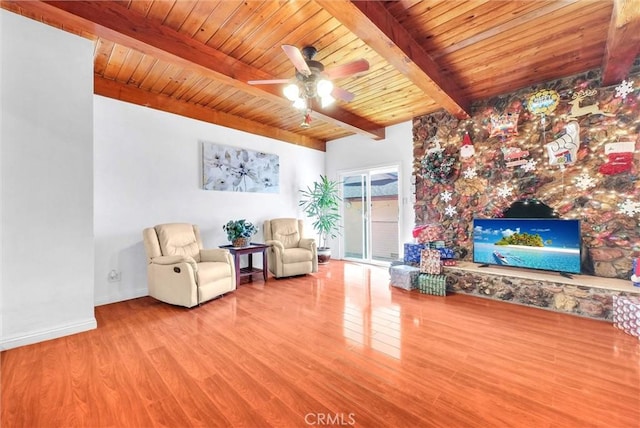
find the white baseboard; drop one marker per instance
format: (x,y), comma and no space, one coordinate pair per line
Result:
(133,294)
(48,334)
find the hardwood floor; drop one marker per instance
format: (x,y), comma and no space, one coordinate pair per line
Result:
(339,348)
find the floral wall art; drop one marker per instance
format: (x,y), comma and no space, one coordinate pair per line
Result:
(228,168)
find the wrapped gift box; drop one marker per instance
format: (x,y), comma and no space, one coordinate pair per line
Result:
(626,314)
(395,263)
(635,276)
(404,276)
(430,261)
(432,284)
(437,244)
(428,232)
(446,253)
(449,262)
(412,252)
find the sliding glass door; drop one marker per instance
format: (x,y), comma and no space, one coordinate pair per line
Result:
(371,213)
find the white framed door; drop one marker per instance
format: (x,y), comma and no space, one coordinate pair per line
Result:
(371,215)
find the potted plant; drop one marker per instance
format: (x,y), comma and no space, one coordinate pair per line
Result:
(321,202)
(239,232)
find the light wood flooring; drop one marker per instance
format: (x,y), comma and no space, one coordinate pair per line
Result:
(338,348)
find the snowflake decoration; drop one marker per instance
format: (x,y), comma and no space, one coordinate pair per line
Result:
(629,208)
(450,211)
(505,191)
(446,196)
(624,89)
(585,181)
(530,165)
(470,174)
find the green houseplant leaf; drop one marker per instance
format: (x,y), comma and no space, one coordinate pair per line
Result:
(321,202)
(239,229)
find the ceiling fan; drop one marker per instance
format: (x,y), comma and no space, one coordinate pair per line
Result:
(313,81)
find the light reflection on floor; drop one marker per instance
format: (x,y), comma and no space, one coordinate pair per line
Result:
(370,318)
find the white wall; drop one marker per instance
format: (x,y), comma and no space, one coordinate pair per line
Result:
(46,193)
(82,175)
(1,135)
(147,166)
(358,152)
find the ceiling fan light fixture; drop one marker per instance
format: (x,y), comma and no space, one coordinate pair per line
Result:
(326,101)
(312,85)
(300,103)
(292,92)
(324,88)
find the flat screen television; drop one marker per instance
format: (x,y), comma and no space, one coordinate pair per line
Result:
(550,244)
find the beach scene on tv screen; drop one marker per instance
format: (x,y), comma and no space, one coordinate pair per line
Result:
(552,244)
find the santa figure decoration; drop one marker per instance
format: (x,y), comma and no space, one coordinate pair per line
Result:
(467,150)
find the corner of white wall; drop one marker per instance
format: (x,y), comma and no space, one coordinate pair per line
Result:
(147,169)
(360,152)
(46,173)
(2,41)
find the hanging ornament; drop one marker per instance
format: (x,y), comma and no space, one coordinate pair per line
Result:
(530,165)
(504,191)
(543,103)
(446,196)
(470,173)
(435,145)
(624,89)
(306,121)
(504,125)
(467,150)
(450,211)
(577,110)
(619,157)
(514,156)
(584,181)
(564,149)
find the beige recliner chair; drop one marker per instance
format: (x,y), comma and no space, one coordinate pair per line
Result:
(179,271)
(289,253)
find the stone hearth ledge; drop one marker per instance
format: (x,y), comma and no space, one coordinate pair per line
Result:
(582,295)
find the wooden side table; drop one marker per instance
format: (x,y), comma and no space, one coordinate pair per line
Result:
(249,250)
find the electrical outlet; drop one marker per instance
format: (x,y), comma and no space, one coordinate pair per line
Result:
(113,276)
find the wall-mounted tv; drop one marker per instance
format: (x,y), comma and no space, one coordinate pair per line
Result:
(550,244)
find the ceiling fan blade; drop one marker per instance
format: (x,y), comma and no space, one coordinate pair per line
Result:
(342,94)
(347,69)
(297,59)
(267,82)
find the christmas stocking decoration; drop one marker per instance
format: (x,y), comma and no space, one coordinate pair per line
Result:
(617,163)
(619,158)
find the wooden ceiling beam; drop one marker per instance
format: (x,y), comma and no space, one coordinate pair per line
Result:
(623,41)
(133,94)
(129,28)
(372,23)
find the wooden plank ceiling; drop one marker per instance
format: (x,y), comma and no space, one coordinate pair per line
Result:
(194,58)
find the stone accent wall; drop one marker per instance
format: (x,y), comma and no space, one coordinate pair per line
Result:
(611,237)
(587,301)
